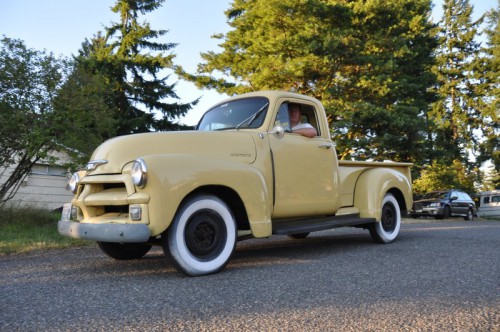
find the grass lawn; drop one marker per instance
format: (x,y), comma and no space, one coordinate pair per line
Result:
(23,230)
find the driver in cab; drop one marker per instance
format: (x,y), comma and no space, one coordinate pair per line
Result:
(304,129)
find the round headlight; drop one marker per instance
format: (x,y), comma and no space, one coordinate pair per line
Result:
(139,173)
(73,183)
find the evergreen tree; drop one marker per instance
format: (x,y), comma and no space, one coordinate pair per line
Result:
(456,114)
(489,77)
(128,62)
(367,61)
(86,112)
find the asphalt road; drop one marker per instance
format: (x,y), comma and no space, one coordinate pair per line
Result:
(438,276)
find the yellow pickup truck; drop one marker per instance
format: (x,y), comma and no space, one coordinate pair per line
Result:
(244,172)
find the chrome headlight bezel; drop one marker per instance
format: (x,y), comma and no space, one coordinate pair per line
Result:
(139,173)
(73,183)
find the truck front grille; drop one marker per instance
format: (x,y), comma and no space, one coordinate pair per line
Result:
(102,195)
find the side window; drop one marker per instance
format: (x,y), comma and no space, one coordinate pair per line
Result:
(495,199)
(486,199)
(466,197)
(308,115)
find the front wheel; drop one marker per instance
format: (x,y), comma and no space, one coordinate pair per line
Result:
(469,215)
(202,236)
(387,229)
(124,251)
(446,213)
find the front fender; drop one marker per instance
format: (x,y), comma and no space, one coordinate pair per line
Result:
(374,184)
(172,177)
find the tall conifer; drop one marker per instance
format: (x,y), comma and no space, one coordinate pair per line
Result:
(456,114)
(129,62)
(367,61)
(489,76)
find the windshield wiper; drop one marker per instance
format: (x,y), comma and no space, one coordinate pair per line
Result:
(252,117)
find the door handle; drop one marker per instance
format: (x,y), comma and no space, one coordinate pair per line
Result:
(325,146)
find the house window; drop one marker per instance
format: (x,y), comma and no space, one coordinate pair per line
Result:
(39,169)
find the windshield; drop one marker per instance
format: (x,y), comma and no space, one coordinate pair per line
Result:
(437,195)
(241,113)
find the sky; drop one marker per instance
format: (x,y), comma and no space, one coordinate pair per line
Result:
(60,27)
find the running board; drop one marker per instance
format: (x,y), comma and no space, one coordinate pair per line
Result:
(296,226)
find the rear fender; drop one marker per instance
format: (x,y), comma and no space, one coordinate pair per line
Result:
(374,184)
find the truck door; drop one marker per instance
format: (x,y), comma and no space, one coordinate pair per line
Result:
(305,170)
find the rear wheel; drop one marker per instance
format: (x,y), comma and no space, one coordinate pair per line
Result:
(387,229)
(124,251)
(202,236)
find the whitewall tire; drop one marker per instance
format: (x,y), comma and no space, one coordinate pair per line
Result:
(387,229)
(202,236)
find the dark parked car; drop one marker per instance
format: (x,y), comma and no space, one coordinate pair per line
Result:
(443,204)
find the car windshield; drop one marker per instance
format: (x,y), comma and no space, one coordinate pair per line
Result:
(437,195)
(241,113)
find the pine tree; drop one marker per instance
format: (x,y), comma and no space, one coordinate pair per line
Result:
(129,61)
(86,111)
(489,77)
(367,61)
(456,115)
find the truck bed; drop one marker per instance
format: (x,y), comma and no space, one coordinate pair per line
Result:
(350,171)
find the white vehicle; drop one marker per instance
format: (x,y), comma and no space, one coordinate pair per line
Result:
(489,203)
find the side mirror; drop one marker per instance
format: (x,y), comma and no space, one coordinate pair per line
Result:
(454,198)
(278,132)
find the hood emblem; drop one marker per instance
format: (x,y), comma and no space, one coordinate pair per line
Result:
(93,164)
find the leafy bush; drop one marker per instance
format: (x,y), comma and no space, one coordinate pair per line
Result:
(439,176)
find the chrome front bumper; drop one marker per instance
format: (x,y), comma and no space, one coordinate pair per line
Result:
(122,233)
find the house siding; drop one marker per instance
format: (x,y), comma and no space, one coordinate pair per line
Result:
(43,191)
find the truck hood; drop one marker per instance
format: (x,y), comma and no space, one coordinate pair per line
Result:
(230,145)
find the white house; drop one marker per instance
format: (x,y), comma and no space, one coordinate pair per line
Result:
(44,187)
